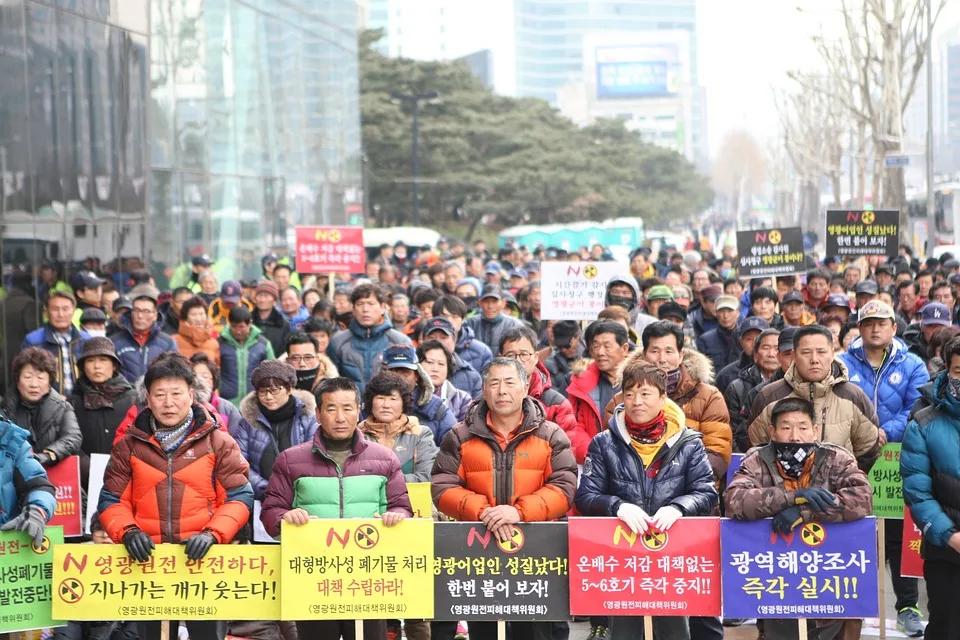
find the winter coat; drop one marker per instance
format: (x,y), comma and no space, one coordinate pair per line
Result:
(227,411)
(895,389)
(679,474)
(358,351)
(296,320)
(560,368)
(736,399)
(559,409)
(135,359)
(843,411)
(98,424)
(536,472)
(306,477)
(471,350)
(409,440)
(721,346)
(913,338)
(169,322)
(489,332)
(191,340)
(732,371)
(52,425)
(758,490)
(699,324)
(21,316)
(465,377)
(275,329)
(583,397)
(202,486)
(220,314)
(25,481)
(257,439)
(458,401)
(431,410)
(44,338)
(930,466)
(238,362)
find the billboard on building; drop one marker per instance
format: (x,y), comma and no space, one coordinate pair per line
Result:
(638,71)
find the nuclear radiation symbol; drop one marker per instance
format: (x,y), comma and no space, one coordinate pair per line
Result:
(514,544)
(590,271)
(71,591)
(654,540)
(367,536)
(813,534)
(868,217)
(775,237)
(44,546)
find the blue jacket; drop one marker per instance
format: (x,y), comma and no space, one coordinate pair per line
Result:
(297,320)
(465,377)
(471,350)
(43,338)
(357,352)
(930,466)
(24,481)
(237,362)
(135,359)
(613,473)
(720,345)
(900,378)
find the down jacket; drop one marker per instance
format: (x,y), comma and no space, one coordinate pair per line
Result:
(191,340)
(679,475)
(238,362)
(536,473)
(202,486)
(52,425)
(895,389)
(843,411)
(489,332)
(559,410)
(583,397)
(25,481)
(358,351)
(720,345)
(258,443)
(409,440)
(431,410)
(471,350)
(275,329)
(758,490)
(306,477)
(738,405)
(134,359)
(465,377)
(458,401)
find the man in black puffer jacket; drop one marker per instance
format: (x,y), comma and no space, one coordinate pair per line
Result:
(764,367)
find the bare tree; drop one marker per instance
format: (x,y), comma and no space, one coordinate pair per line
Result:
(740,169)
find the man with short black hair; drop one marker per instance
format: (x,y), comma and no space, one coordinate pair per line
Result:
(566,350)
(303,354)
(170,310)
(816,290)
(764,366)
(140,339)
(281,276)
(242,348)
(763,304)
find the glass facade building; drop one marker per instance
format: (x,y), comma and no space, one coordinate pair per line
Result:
(165,129)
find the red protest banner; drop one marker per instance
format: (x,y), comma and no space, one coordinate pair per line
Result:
(65,478)
(330,249)
(911,563)
(614,571)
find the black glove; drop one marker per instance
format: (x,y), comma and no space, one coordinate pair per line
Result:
(139,545)
(199,544)
(44,459)
(32,521)
(785,521)
(818,499)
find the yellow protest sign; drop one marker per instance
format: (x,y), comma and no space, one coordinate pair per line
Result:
(101,582)
(420,499)
(357,570)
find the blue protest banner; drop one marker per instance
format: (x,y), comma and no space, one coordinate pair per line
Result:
(736,460)
(821,570)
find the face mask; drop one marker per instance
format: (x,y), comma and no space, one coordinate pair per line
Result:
(792,456)
(622,301)
(97,333)
(673,381)
(306,378)
(470,302)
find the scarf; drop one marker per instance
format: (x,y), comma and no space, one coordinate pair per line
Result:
(307,377)
(953,386)
(171,438)
(673,381)
(648,433)
(385,433)
(622,301)
(102,396)
(792,456)
(280,414)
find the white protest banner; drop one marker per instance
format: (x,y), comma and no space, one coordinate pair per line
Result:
(98,466)
(576,290)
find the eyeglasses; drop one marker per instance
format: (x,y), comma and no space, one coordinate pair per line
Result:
(144,312)
(270,392)
(522,356)
(305,359)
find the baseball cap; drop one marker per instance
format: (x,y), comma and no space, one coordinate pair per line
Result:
(400,356)
(438,324)
(491,291)
(867,287)
(660,292)
(886,268)
(85,280)
(753,323)
(881,310)
(838,300)
(934,313)
(202,261)
(532,267)
(270,257)
(519,273)
(785,341)
(713,292)
(792,296)
(726,302)
(564,333)
(954,278)
(492,267)
(121,303)
(671,310)
(230,292)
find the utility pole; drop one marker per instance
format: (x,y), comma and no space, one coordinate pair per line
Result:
(414,100)
(931,200)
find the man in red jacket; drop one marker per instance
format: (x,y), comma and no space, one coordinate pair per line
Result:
(520,343)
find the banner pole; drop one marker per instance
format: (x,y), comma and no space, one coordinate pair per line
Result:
(331,285)
(164,630)
(882,579)
(647,627)
(501,630)
(802,629)
(358,629)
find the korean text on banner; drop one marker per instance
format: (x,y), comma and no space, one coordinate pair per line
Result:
(820,570)
(887,483)
(65,478)
(357,570)
(102,582)
(576,290)
(330,249)
(420,499)
(480,578)
(614,571)
(98,465)
(911,562)
(863,233)
(764,253)
(26,596)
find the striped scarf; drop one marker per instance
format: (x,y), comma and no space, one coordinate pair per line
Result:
(171,439)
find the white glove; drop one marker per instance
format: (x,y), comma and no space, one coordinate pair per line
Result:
(665,517)
(633,516)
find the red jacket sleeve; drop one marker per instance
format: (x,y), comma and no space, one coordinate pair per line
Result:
(128,420)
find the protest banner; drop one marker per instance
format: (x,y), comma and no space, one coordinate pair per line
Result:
(765,253)
(65,478)
(102,582)
(26,596)
(358,570)
(887,483)
(98,466)
(820,570)
(480,578)
(420,499)
(863,233)
(576,290)
(911,562)
(330,250)
(614,571)
(259,531)
(736,459)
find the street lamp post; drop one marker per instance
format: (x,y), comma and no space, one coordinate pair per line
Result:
(931,200)
(414,99)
